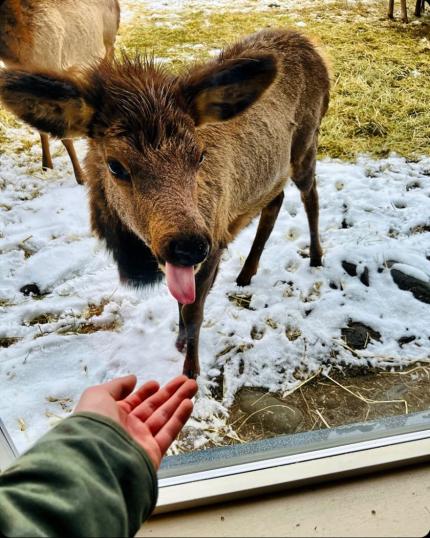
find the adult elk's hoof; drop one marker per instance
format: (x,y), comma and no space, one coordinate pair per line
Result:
(80,179)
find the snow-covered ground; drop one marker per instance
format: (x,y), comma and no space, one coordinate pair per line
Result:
(372,213)
(293,322)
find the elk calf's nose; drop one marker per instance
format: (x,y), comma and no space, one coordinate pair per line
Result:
(188,251)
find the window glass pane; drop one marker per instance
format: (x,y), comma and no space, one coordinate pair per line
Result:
(300,359)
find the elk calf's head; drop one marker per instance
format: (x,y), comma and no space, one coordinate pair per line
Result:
(145,153)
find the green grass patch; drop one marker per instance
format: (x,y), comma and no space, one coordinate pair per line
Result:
(381,69)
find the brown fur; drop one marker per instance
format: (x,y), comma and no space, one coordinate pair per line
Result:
(254,112)
(419,9)
(403,9)
(57,35)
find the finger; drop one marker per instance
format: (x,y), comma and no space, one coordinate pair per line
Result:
(162,415)
(121,387)
(142,393)
(147,408)
(169,432)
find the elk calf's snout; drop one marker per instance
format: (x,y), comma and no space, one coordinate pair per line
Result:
(188,250)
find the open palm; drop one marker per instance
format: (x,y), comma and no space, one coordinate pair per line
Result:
(153,417)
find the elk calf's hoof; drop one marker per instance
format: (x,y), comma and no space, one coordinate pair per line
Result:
(180,343)
(191,374)
(316,262)
(243,280)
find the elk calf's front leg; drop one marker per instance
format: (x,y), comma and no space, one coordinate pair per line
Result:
(181,340)
(192,314)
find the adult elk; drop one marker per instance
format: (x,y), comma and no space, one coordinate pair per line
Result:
(419,9)
(57,35)
(403,8)
(178,165)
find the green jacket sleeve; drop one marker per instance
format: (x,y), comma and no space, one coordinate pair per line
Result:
(86,477)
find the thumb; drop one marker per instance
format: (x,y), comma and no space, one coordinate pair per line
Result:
(121,387)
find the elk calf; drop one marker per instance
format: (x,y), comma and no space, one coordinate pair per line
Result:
(179,165)
(48,34)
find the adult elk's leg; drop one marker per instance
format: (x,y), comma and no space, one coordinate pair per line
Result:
(46,153)
(267,220)
(304,178)
(68,144)
(192,314)
(182,336)
(110,52)
(419,7)
(404,10)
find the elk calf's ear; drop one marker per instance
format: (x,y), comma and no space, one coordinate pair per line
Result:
(53,104)
(221,91)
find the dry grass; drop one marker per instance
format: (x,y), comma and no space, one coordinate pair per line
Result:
(7,341)
(42,319)
(66,404)
(95,309)
(89,328)
(328,401)
(242,300)
(85,322)
(381,69)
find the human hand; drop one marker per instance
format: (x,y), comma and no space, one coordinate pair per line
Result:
(152,416)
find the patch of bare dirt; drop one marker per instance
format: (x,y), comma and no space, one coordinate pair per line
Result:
(329,401)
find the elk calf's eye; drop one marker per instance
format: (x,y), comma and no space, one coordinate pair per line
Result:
(118,170)
(202,158)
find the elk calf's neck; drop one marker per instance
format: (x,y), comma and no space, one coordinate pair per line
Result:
(178,165)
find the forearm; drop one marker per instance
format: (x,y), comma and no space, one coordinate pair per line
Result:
(86,477)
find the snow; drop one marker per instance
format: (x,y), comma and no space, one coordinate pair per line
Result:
(174,6)
(370,214)
(46,216)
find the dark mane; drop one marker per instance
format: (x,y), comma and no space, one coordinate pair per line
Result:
(137,265)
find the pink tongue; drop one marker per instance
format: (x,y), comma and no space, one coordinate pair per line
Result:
(181,283)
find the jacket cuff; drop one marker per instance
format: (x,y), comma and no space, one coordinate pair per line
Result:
(119,430)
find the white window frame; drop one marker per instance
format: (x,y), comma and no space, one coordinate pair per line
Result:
(224,482)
